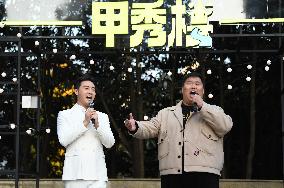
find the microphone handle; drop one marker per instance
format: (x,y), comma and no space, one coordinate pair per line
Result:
(92,105)
(93,121)
(195,107)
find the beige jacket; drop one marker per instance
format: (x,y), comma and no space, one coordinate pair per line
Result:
(203,138)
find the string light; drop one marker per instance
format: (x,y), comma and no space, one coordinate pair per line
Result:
(248,78)
(129,69)
(209,71)
(54,50)
(36,43)
(73,56)
(169,73)
(92,62)
(30,131)
(19,35)
(249,67)
(229,69)
(1,90)
(12,125)
(210,96)
(14,79)
(230,87)
(266,68)
(146,117)
(111,67)
(124,77)
(47,130)
(3,74)
(268,62)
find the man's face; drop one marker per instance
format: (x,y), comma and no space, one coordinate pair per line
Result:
(192,84)
(86,93)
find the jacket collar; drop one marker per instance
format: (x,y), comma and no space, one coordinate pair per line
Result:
(79,107)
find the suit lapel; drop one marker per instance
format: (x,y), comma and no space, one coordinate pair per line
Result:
(77,113)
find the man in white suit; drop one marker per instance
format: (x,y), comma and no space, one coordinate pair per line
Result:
(83,131)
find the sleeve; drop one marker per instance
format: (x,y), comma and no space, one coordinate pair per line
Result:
(104,132)
(216,119)
(149,129)
(68,131)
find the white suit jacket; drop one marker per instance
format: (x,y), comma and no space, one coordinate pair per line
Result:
(84,157)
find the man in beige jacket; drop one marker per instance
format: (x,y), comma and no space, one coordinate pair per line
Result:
(190,138)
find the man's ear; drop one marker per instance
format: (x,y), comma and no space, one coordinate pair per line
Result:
(76,92)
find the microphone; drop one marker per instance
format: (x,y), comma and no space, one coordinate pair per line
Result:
(194,107)
(92,105)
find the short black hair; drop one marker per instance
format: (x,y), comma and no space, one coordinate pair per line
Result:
(85,77)
(193,74)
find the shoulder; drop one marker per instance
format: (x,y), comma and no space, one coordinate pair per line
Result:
(66,112)
(63,112)
(166,110)
(207,106)
(171,108)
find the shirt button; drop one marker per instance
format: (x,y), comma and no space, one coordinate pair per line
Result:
(179,156)
(178,170)
(162,140)
(179,143)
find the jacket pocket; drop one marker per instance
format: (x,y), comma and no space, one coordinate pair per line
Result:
(71,168)
(163,145)
(209,141)
(209,134)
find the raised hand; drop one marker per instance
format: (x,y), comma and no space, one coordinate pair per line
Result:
(130,123)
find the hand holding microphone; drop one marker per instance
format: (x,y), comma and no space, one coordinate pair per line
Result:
(91,106)
(197,101)
(91,115)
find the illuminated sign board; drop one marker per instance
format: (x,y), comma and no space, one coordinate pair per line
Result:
(190,25)
(111,18)
(151,24)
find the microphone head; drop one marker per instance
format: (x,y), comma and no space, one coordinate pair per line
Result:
(92,104)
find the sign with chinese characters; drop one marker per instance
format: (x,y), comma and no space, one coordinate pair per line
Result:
(157,23)
(189,23)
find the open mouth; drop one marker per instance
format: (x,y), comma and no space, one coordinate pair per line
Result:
(89,98)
